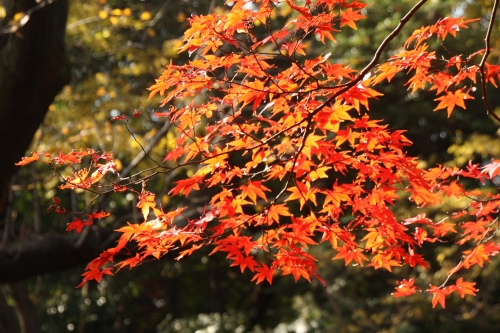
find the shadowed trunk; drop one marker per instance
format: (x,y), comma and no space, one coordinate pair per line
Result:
(33,70)
(24,308)
(8,318)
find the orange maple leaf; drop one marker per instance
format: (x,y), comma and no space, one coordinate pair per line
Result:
(350,253)
(465,288)
(405,288)
(451,99)
(146,201)
(349,17)
(98,215)
(303,193)
(26,160)
(439,295)
(275,211)
(254,189)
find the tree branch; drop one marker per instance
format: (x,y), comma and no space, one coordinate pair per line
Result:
(374,61)
(51,253)
(482,65)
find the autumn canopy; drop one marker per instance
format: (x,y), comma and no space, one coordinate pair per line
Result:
(285,144)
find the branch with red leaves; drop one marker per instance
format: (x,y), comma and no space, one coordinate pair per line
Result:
(289,151)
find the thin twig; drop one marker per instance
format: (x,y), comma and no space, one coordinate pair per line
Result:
(36,196)
(482,65)
(374,61)
(144,150)
(82,22)
(458,266)
(147,149)
(25,18)
(155,20)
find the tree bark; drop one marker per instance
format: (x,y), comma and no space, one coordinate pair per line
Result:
(52,253)
(8,319)
(25,309)
(33,70)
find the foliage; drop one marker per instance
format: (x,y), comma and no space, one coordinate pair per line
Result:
(286,145)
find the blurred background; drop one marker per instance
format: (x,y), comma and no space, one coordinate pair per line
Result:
(114,50)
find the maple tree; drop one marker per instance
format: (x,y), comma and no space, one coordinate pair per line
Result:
(291,154)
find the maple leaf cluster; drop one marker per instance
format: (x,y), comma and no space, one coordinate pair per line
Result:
(407,288)
(292,154)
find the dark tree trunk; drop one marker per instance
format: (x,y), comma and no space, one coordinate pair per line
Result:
(33,70)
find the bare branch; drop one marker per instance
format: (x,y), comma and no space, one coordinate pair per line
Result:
(25,18)
(83,22)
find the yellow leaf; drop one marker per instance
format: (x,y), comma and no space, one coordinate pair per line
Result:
(118,164)
(145,16)
(101,91)
(114,20)
(127,12)
(3,12)
(102,14)
(18,16)
(181,17)
(319,173)
(311,140)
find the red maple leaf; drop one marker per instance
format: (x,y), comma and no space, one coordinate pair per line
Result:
(78,224)
(264,273)
(98,215)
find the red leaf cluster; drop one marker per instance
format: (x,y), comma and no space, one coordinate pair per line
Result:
(289,151)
